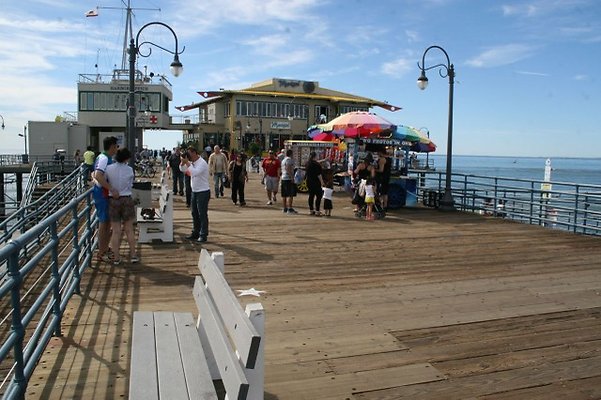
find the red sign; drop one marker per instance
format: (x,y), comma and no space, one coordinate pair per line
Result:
(153,119)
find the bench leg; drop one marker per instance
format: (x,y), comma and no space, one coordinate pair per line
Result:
(256,376)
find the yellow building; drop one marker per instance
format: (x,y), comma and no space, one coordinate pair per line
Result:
(270,112)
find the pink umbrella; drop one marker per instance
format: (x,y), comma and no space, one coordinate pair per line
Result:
(324,137)
(357,124)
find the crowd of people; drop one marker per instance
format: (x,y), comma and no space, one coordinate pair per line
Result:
(202,175)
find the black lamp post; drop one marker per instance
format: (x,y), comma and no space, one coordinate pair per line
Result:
(2,122)
(134,50)
(446,203)
(424,129)
(24,136)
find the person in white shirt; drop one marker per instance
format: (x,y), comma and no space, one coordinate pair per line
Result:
(122,208)
(198,170)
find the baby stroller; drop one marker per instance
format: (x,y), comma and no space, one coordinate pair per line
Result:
(361,206)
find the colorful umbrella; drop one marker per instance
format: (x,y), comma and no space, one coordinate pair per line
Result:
(313,131)
(324,137)
(406,133)
(357,124)
(425,144)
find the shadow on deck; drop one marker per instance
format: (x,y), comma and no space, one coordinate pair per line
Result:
(420,305)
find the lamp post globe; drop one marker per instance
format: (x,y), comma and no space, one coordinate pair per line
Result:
(422,81)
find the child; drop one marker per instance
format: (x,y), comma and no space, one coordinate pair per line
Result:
(328,190)
(370,198)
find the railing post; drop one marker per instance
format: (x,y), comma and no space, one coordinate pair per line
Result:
(576,197)
(56,307)
(17,325)
(76,249)
(532,204)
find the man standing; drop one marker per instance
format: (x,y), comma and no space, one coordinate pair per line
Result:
(88,161)
(101,196)
(218,167)
(288,186)
(271,172)
(176,174)
(198,169)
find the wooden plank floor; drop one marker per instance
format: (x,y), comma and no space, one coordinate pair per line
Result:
(420,305)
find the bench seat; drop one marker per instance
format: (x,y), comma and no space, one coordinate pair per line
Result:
(168,361)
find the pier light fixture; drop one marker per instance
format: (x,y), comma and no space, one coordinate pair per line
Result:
(447,203)
(176,68)
(2,122)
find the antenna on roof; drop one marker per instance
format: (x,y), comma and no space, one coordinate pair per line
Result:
(129,34)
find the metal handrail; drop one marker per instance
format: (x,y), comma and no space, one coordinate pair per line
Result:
(68,188)
(49,279)
(31,183)
(568,206)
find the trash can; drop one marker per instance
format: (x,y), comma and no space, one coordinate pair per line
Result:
(141,193)
(402,192)
(24,158)
(431,198)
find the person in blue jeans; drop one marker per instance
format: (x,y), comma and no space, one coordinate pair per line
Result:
(218,164)
(198,170)
(176,174)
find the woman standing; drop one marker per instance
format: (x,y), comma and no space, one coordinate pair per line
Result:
(238,177)
(313,173)
(122,209)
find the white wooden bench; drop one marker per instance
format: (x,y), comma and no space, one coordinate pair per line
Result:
(161,226)
(173,358)
(156,187)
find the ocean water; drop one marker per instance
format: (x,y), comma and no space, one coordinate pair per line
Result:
(565,170)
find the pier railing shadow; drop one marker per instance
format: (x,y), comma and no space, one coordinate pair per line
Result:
(43,269)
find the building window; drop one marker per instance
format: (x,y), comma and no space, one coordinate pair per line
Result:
(117,101)
(347,109)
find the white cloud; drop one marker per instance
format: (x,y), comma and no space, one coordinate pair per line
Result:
(580,77)
(532,73)
(267,45)
(501,55)
(216,13)
(398,67)
(412,36)
(520,10)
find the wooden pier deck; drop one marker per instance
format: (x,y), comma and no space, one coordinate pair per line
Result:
(420,305)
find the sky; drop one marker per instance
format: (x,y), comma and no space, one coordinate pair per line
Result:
(527,72)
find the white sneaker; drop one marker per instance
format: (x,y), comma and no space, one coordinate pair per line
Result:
(269,203)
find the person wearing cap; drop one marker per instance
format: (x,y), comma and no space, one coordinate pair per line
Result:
(271,171)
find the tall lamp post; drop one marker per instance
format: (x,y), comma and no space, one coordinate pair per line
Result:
(424,129)
(446,203)
(24,136)
(134,50)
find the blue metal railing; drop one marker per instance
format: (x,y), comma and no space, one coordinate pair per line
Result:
(31,213)
(35,292)
(568,206)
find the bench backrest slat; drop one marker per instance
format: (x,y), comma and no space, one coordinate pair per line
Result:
(245,337)
(230,369)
